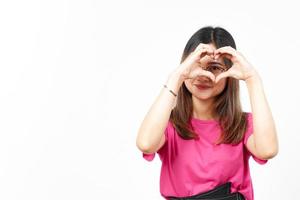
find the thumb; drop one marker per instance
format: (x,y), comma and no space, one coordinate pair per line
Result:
(220,76)
(208,74)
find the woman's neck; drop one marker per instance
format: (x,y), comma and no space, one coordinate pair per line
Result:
(203,109)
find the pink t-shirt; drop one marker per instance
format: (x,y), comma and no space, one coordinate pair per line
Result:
(190,167)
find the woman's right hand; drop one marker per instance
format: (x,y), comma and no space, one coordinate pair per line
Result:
(190,68)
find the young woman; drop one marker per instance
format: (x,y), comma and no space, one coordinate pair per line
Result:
(197,125)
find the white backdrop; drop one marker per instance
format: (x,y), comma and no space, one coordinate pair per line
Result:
(77,78)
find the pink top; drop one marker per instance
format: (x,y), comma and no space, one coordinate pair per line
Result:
(190,167)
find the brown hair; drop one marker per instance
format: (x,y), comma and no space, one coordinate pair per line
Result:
(227,106)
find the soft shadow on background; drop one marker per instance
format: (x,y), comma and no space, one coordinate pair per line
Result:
(77,78)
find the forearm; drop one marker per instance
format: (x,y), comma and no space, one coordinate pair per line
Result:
(264,129)
(156,119)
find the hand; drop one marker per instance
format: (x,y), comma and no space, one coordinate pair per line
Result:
(241,69)
(190,68)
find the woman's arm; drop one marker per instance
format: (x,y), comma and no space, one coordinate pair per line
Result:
(263,142)
(264,131)
(151,132)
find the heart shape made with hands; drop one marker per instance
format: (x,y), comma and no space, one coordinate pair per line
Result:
(239,68)
(216,56)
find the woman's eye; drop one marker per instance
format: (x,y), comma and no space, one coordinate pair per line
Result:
(214,68)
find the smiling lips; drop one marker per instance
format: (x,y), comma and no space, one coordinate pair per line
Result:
(203,87)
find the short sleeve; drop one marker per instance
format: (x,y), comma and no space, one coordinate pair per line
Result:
(248,133)
(150,157)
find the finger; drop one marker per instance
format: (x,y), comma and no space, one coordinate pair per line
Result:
(208,74)
(226,55)
(209,52)
(202,53)
(203,46)
(227,50)
(221,76)
(200,72)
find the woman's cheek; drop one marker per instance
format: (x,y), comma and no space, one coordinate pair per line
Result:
(220,86)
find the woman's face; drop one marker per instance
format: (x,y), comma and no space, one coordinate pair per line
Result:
(212,89)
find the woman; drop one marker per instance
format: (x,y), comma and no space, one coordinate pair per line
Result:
(197,125)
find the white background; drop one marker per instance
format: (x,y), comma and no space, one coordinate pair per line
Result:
(77,78)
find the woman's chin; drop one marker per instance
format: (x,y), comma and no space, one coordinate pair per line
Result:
(203,96)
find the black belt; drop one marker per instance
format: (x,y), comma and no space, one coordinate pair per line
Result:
(221,192)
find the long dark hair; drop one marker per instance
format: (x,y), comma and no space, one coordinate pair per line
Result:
(227,106)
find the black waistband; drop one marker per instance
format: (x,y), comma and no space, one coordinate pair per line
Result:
(221,192)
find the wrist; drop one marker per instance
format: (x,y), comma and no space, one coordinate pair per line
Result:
(253,79)
(178,73)
(251,74)
(174,81)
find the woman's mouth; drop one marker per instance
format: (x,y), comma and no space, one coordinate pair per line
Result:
(203,87)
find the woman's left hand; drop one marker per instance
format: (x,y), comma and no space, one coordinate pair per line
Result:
(241,69)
